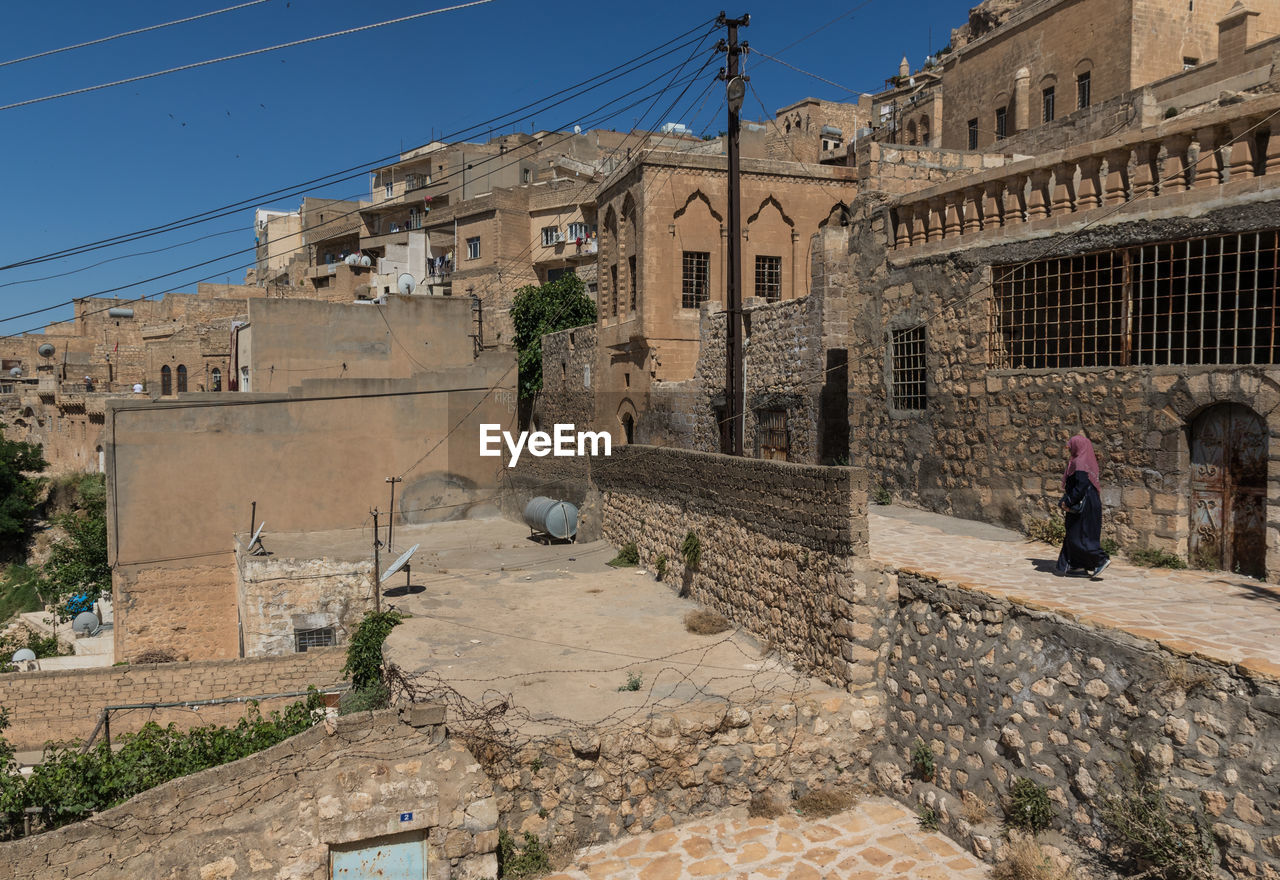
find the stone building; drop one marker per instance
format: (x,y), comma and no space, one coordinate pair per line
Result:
(663,255)
(354,392)
(1049,60)
(1126,288)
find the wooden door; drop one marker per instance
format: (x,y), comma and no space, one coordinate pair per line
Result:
(1229,450)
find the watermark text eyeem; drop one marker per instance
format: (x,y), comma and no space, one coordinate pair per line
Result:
(564,440)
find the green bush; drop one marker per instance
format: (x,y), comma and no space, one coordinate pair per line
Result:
(1028,806)
(923,764)
(364,651)
(1154,558)
(521,860)
(69,785)
(881,496)
(19,494)
(78,563)
(1145,836)
(370,698)
(627,556)
(660,566)
(1110,546)
(633,682)
(19,591)
(691,550)
(927,818)
(1050,531)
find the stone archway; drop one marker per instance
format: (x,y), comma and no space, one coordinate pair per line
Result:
(1229,453)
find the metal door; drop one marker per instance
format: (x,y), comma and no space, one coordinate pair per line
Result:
(399,860)
(1229,449)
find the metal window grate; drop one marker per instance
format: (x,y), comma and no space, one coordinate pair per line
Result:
(613,288)
(1207,300)
(769,278)
(306,639)
(772,441)
(1084,90)
(696,285)
(908,369)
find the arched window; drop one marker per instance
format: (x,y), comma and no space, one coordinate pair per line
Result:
(182,378)
(166,381)
(215,380)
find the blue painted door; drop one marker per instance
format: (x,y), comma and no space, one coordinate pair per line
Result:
(404,860)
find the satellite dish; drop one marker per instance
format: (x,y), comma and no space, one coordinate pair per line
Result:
(15,372)
(577,129)
(45,349)
(406,283)
(86,622)
(23,655)
(366,261)
(352,259)
(399,563)
(255,543)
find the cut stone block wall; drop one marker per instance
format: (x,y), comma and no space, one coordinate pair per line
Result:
(278,813)
(783,547)
(279,597)
(65,705)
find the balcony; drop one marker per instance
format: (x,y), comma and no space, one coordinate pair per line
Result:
(1180,163)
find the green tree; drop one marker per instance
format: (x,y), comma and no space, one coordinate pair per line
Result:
(78,563)
(19,493)
(539,310)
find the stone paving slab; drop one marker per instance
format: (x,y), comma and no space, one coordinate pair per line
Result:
(1214,614)
(876,840)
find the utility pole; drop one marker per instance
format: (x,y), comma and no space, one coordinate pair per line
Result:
(391,512)
(377,565)
(736,89)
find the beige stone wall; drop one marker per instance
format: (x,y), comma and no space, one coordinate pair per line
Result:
(66,705)
(226,451)
(783,548)
(278,597)
(347,783)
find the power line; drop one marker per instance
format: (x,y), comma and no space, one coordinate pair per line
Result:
(818,30)
(755,51)
(514,157)
(143,30)
(251,52)
(572,91)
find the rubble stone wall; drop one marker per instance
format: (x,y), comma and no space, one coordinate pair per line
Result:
(998,691)
(783,549)
(588,787)
(347,783)
(65,704)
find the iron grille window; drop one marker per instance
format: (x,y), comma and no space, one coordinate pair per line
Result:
(1047,102)
(908,369)
(1084,83)
(769,278)
(1200,301)
(631,280)
(973,134)
(306,639)
(772,441)
(614,295)
(550,236)
(696,286)
(1002,120)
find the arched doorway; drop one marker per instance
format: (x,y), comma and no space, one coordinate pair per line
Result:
(1229,450)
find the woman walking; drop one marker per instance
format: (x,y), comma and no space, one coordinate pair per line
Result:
(1082,505)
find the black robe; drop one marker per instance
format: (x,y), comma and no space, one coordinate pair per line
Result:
(1082,547)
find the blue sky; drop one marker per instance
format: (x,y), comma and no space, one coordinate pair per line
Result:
(91,166)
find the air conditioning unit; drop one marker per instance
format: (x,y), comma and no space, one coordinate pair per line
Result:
(558,238)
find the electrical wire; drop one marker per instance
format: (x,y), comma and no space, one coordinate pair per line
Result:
(238,55)
(155,27)
(337,176)
(514,158)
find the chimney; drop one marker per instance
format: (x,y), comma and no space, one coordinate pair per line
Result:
(1235,34)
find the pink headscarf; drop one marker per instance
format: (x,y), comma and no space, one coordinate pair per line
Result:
(1082,459)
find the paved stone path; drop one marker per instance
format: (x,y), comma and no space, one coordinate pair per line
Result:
(1218,615)
(876,840)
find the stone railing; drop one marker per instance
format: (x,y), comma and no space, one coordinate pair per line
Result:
(1222,152)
